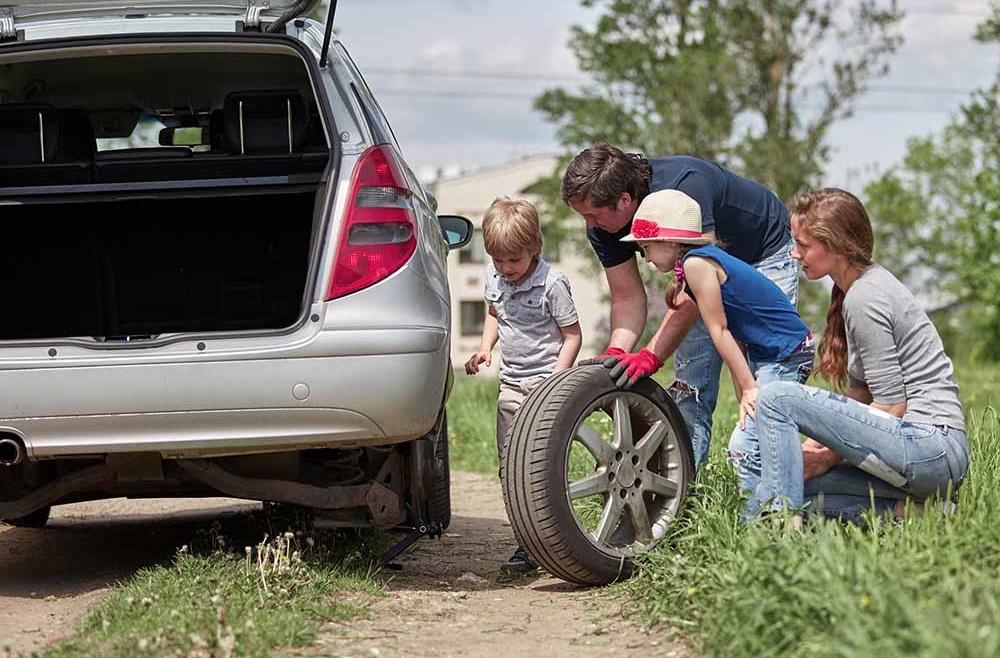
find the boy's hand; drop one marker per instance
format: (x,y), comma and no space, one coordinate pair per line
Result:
(630,368)
(472,365)
(602,359)
(748,406)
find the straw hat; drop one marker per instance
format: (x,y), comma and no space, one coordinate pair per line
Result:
(667,216)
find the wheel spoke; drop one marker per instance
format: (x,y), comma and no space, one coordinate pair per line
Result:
(658,485)
(610,519)
(640,520)
(623,425)
(651,441)
(601,450)
(589,486)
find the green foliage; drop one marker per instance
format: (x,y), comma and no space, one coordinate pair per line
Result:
(922,588)
(937,218)
(472,409)
(723,79)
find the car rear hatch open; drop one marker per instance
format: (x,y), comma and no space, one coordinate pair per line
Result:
(115,230)
(16,16)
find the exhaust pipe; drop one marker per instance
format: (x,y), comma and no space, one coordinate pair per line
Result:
(12,450)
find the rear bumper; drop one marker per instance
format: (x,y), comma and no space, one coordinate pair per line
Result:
(231,403)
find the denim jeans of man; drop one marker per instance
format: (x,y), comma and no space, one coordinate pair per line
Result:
(899,458)
(697,364)
(744,448)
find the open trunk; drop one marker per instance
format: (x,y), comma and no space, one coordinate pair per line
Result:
(152,188)
(135,268)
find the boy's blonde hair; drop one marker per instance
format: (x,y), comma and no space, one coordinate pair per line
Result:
(510,227)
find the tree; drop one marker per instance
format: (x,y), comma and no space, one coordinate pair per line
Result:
(937,217)
(744,82)
(723,79)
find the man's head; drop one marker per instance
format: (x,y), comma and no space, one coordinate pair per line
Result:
(512,237)
(605,185)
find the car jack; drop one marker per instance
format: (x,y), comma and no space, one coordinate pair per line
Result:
(432,529)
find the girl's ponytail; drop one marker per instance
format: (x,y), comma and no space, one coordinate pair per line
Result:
(832,350)
(674,289)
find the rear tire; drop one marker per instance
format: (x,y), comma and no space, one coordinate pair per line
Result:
(36,519)
(592,475)
(440,503)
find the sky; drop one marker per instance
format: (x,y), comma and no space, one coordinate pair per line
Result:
(457,77)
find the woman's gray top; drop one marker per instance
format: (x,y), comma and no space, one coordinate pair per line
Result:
(894,350)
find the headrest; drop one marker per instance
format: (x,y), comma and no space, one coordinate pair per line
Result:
(216,130)
(29,133)
(265,122)
(76,137)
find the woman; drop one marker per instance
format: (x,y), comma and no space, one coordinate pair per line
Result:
(898,432)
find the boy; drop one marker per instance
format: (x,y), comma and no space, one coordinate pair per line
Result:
(531,313)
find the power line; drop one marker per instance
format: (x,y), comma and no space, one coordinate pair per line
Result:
(486,96)
(496,75)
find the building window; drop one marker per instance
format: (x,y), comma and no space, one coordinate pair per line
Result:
(474,253)
(473,317)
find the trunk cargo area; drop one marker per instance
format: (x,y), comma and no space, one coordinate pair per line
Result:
(141,267)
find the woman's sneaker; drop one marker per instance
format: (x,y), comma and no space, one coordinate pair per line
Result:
(519,562)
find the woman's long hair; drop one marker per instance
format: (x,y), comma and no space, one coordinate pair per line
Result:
(837,220)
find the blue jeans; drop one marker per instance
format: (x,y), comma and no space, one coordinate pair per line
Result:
(744,448)
(887,458)
(697,365)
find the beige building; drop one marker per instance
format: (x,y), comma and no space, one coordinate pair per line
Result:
(470,194)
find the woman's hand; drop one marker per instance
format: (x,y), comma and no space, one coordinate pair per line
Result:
(748,405)
(817,459)
(472,365)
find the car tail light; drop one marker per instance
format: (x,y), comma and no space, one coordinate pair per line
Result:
(380,230)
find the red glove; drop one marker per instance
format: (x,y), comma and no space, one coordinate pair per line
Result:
(602,359)
(630,368)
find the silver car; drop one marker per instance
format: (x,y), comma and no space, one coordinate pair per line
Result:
(218,274)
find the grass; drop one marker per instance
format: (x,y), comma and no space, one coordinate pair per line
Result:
(213,601)
(927,587)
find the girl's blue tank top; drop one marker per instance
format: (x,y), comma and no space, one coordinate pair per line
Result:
(759,315)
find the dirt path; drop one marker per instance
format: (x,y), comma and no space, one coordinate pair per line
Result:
(449,601)
(50,577)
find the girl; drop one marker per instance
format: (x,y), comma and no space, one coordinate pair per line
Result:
(899,430)
(742,309)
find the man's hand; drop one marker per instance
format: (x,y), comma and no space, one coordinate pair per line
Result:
(748,405)
(602,359)
(817,459)
(472,365)
(630,368)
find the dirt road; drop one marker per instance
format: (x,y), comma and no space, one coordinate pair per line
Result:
(448,600)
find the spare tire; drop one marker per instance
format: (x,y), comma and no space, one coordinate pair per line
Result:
(593,475)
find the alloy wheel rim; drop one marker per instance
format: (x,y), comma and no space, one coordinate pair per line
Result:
(625,504)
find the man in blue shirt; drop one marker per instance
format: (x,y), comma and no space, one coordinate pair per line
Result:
(605,185)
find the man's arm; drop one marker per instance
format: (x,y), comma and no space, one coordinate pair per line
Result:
(675,325)
(628,304)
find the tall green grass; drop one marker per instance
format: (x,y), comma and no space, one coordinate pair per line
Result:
(926,587)
(472,408)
